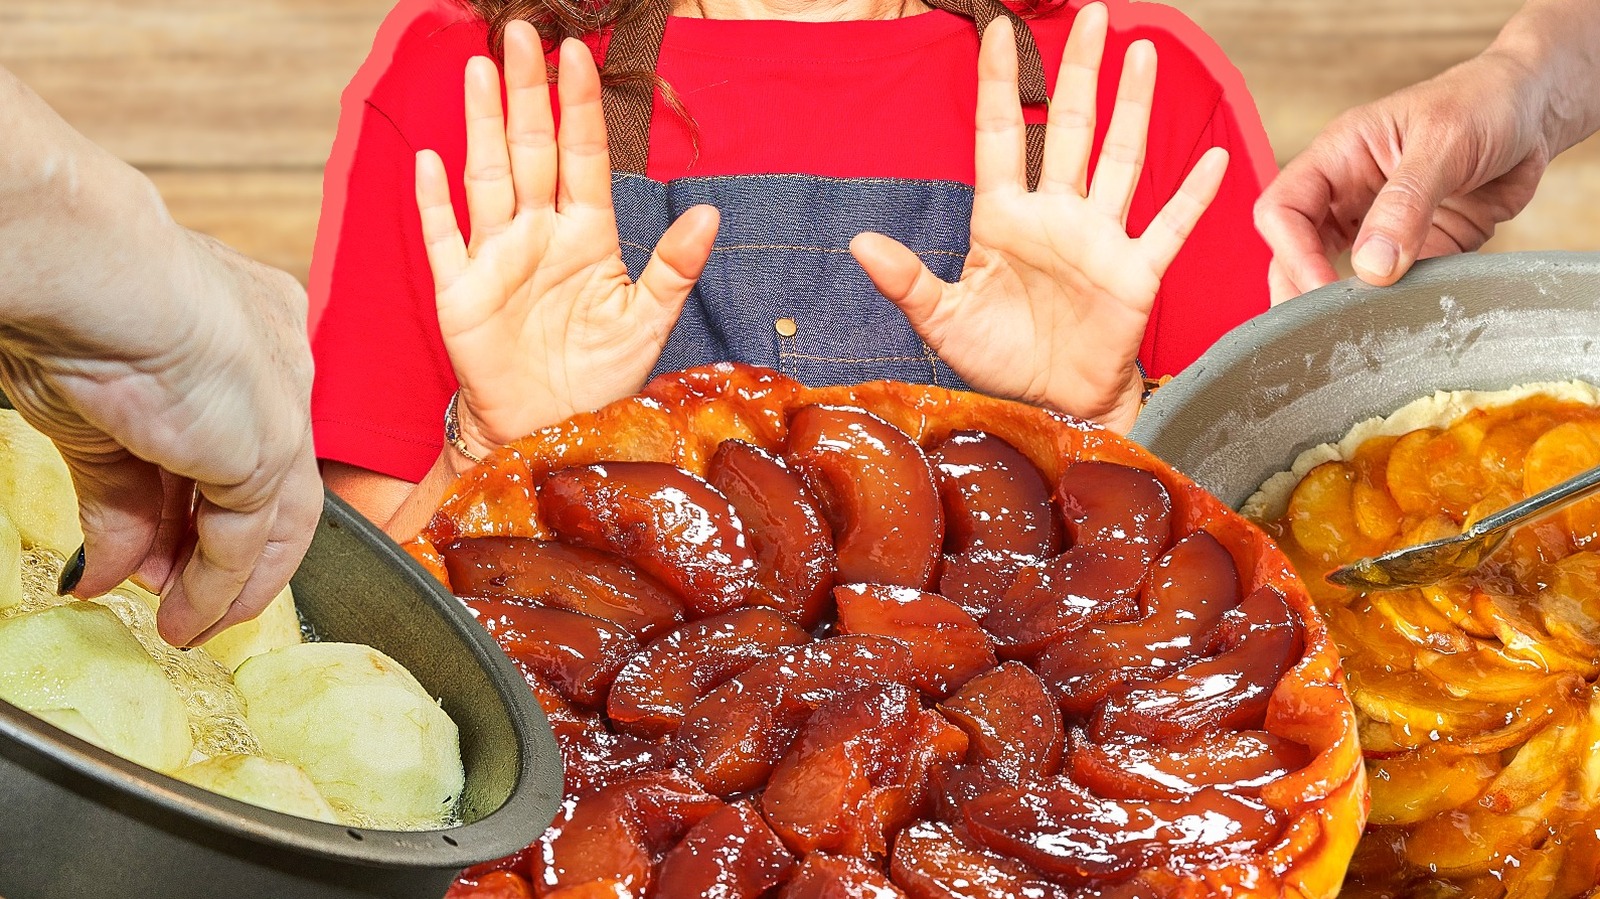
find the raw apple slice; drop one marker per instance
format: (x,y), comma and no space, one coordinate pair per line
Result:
(947,646)
(269,783)
(789,536)
(656,688)
(674,526)
(1263,638)
(993,497)
(877,491)
(1010,719)
(595,583)
(734,736)
(1106,503)
(730,854)
(576,654)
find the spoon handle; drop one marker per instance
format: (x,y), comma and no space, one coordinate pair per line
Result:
(1543,503)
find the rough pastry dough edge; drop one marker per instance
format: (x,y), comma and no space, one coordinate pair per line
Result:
(1271,499)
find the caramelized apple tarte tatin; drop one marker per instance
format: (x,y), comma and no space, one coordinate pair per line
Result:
(1477,700)
(898,641)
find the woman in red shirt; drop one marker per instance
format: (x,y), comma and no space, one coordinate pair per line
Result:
(812,138)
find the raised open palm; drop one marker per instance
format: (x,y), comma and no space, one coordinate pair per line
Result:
(1054,297)
(538,313)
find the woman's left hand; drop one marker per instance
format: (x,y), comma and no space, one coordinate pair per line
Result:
(1054,297)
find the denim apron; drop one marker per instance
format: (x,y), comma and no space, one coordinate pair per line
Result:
(781,288)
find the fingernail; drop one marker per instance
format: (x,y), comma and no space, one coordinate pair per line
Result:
(1377,258)
(71,574)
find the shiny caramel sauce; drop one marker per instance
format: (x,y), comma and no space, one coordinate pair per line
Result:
(1477,701)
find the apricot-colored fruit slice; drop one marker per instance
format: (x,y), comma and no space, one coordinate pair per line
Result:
(576,654)
(1561,453)
(731,854)
(551,574)
(615,836)
(1011,719)
(977,581)
(1085,584)
(1063,829)
(671,524)
(1416,786)
(823,876)
(1239,762)
(1106,503)
(933,861)
(735,735)
(1322,515)
(789,536)
(1263,639)
(993,497)
(1185,598)
(947,646)
(656,688)
(877,492)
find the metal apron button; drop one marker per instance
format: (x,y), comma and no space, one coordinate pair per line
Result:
(785,327)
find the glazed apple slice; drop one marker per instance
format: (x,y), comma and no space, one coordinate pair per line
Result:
(577,655)
(1063,829)
(734,736)
(1240,762)
(993,497)
(947,646)
(877,492)
(933,861)
(1082,586)
(1261,640)
(823,876)
(614,837)
(552,574)
(731,854)
(656,688)
(594,757)
(790,538)
(1188,593)
(1011,720)
(977,581)
(494,885)
(671,524)
(858,772)
(1106,503)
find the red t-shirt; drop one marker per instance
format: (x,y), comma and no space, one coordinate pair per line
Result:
(857,99)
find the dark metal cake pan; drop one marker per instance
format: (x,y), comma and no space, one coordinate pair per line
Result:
(1305,372)
(79,822)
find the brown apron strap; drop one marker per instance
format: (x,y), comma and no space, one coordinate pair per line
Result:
(636,43)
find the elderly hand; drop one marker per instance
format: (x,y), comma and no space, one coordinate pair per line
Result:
(172,373)
(1434,168)
(1054,297)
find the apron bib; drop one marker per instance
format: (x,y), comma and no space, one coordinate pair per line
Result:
(781,288)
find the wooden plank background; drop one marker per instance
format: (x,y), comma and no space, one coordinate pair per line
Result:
(231,106)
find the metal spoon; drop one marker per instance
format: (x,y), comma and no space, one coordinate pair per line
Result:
(1439,560)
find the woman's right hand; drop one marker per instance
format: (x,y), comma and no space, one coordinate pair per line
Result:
(538,312)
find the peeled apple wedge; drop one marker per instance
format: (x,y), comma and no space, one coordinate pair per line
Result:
(268,783)
(10,564)
(371,738)
(35,489)
(79,657)
(276,627)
